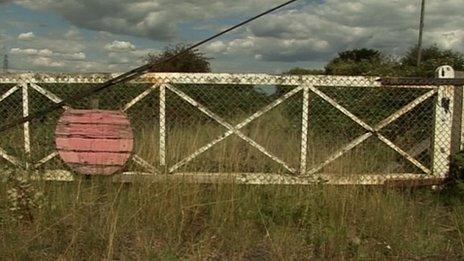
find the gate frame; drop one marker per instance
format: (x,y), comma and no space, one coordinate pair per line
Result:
(442,148)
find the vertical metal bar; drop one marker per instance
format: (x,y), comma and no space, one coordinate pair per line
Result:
(27,137)
(462,117)
(304,130)
(456,141)
(447,72)
(162,127)
(443,130)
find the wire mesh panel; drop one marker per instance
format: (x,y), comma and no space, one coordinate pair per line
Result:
(12,141)
(257,128)
(366,130)
(225,128)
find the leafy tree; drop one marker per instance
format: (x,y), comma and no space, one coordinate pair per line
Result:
(280,90)
(359,55)
(361,62)
(191,61)
(222,99)
(432,57)
(303,71)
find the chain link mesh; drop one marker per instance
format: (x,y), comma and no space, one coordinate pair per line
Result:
(221,123)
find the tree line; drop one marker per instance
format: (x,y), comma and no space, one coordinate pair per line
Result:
(353,62)
(363,62)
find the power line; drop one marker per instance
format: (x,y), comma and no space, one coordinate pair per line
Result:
(130,75)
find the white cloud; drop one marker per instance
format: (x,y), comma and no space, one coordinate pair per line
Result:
(47,62)
(310,32)
(216,47)
(26,36)
(88,66)
(119,46)
(121,61)
(155,19)
(145,52)
(28,51)
(73,56)
(318,31)
(48,53)
(118,58)
(45,52)
(73,33)
(70,53)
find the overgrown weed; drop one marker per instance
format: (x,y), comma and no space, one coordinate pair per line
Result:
(95,219)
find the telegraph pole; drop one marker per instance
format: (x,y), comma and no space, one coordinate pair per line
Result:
(5,63)
(5,60)
(421,29)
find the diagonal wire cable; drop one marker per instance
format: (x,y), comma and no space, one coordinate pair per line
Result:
(130,75)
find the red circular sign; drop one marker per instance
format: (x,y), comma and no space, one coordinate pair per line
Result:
(94,142)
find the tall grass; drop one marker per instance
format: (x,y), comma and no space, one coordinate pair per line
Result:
(277,135)
(176,220)
(95,219)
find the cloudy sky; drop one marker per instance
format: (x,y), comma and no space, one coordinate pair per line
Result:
(114,35)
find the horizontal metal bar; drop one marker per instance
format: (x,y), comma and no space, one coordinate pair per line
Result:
(393,179)
(274,178)
(387,81)
(400,179)
(198,78)
(226,78)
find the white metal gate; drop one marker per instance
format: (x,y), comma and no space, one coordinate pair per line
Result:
(304,173)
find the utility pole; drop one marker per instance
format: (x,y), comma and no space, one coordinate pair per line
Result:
(5,60)
(421,29)
(5,63)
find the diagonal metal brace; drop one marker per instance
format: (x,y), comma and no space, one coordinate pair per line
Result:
(372,130)
(232,129)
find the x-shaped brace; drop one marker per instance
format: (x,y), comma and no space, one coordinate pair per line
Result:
(232,129)
(372,130)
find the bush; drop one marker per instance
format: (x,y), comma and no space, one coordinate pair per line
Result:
(457,166)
